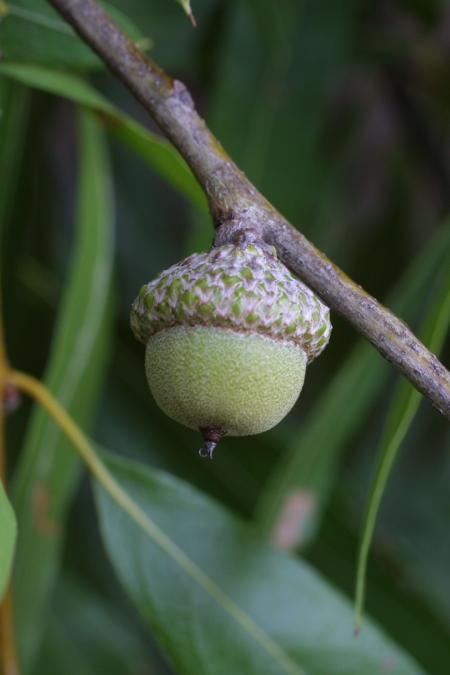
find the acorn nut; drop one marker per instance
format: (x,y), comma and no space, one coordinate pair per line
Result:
(228,336)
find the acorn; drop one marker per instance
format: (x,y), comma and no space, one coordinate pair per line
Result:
(228,335)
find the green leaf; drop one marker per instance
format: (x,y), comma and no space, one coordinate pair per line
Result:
(398,602)
(154,150)
(48,470)
(57,82)
(30,30)
(304,472)
(8,531)
(88,635)
(404,406)
(266,88)
(216,598)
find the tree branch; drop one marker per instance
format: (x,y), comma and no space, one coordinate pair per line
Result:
(236,205)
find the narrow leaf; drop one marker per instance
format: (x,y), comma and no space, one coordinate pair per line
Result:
(31,30)
(304,472)
(13,118)
(87,634)
(48,470)
(403,410)
(216,598)
(153,149)
(8,532)
(304,51)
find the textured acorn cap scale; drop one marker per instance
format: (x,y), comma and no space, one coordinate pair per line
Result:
(228,335)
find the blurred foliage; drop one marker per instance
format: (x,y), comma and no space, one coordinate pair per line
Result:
(405,402)
(107,641)
(48,470)
(33,31)
(8,529)
(295,624)
(340,114)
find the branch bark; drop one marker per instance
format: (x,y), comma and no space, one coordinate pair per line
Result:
(236,205)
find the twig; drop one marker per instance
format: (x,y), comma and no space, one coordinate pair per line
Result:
(235,203)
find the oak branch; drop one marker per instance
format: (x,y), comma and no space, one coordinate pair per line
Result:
(235,204)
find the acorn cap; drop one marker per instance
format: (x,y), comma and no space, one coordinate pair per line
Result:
(243,288)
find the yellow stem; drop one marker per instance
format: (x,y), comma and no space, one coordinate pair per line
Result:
(40,393)
(36,390)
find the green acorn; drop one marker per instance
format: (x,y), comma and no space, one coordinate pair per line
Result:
(228,335)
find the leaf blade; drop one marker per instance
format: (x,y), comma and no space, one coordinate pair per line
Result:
(154,150)
(89,634)
(308,464)
(8,530)
(206,640)
(404,407)
(47,472)
(31,30)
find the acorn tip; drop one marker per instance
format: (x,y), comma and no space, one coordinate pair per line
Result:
(208,449)
(212,436)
